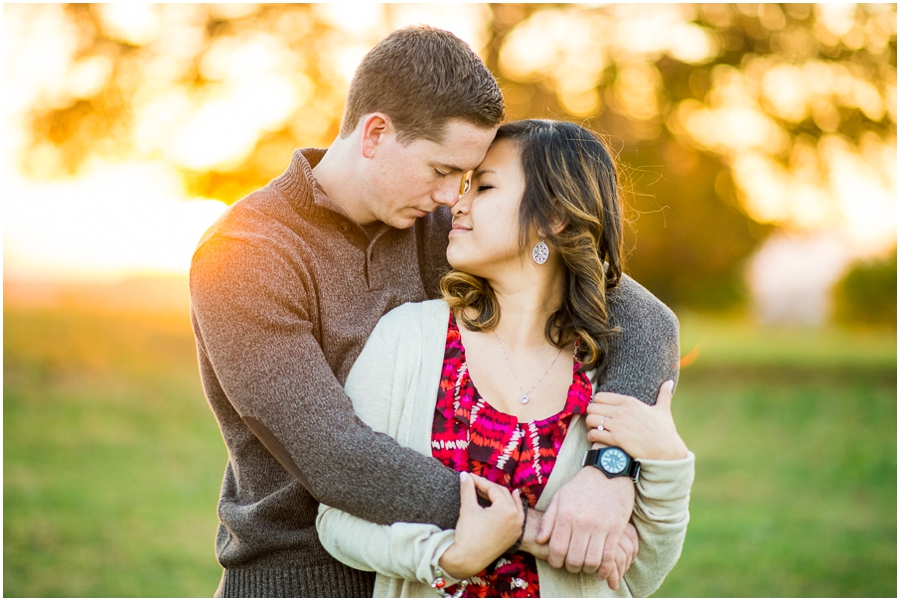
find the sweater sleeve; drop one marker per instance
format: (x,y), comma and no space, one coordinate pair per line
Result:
(660,518)
(249,308)
(401,550)
(646,353)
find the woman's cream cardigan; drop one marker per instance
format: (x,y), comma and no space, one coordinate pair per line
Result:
(394,387)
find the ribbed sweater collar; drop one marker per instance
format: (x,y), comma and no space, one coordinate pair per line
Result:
(299,185)
(297,182)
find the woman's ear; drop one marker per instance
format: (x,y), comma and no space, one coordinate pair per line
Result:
(558,220)
(558,224)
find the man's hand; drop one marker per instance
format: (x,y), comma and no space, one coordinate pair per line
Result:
(626,551)
(585,521)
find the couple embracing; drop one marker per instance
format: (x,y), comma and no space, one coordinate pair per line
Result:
(431,374)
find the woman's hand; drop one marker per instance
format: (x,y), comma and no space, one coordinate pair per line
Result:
(529,539)
(482,533)
(625,554)
(644,431)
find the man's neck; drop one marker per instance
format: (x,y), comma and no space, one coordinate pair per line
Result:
(336,175)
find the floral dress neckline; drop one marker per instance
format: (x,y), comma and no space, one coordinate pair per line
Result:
(470,434)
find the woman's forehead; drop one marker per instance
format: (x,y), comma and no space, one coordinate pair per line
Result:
(501,153)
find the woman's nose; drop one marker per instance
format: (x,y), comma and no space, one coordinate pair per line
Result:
(463,204)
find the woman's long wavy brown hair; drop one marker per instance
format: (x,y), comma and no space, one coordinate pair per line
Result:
(571,179)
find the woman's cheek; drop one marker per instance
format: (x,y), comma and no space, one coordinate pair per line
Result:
(468,254)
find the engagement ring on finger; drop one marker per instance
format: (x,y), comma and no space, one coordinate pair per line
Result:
(602,419)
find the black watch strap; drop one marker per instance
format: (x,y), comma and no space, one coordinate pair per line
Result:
(632,467)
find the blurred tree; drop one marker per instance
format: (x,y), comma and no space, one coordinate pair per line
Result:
(867,294)
(688,238)
(729,119)
(697,99)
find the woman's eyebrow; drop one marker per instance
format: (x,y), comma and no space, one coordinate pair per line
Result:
(481,172)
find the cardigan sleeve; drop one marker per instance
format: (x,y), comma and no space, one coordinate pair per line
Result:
(660,518)
(402,550)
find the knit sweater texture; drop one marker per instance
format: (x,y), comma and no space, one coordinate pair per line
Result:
(285,289)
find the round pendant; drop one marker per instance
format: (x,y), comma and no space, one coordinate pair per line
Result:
(524,399)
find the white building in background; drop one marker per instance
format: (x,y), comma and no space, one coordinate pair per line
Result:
(791,277)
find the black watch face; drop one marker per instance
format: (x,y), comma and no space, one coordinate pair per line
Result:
(613,461)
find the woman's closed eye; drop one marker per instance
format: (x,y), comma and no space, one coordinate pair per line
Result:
(484,187)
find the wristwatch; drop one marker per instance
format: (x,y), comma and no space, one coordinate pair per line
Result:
(612,461)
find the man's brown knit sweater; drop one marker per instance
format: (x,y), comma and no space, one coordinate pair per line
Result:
(285,289)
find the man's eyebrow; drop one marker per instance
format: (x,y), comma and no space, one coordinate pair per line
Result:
(481,172)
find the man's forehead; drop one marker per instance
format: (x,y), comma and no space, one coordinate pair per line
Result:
(458,132)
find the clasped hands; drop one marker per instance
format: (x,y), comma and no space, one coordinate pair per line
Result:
(586,526)
(572,533)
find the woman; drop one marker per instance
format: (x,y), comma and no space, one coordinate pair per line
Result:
(495,379)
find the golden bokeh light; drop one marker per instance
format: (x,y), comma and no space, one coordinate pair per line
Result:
(116,220)
(797,102)
(130,22)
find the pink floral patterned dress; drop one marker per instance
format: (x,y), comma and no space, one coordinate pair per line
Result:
(468,434)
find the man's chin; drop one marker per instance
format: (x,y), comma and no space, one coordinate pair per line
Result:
(403,222)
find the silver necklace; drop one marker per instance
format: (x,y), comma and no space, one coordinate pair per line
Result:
(525,393)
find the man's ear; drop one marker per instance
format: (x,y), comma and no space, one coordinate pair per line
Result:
(375,126)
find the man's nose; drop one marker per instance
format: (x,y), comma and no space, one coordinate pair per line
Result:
(447,193)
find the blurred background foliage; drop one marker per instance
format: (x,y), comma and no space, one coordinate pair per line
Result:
(867,294)
(731,121)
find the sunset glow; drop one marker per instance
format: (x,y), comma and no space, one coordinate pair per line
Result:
(131,210)
(116,220)
(129,216)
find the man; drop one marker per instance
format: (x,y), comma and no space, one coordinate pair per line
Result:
(285,289)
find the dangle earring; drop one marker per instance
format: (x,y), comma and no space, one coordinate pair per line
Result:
(540,252)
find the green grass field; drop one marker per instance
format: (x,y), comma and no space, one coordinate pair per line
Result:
(112,460)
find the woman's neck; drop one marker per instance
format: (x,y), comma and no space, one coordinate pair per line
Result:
(516,359)
(526,303)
